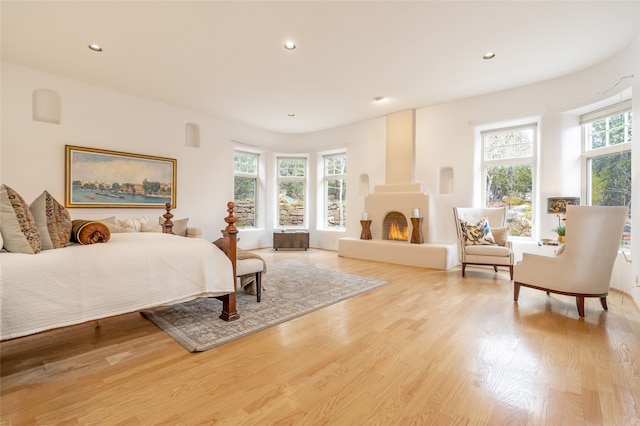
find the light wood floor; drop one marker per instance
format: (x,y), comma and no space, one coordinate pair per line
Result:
(428,348)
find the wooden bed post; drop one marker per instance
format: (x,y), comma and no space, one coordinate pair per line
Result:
(167,226)
(229,246)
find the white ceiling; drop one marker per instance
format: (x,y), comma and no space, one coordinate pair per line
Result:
(227,58)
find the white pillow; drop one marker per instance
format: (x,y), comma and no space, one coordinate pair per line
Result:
(145,227)
(500,236)
(117,229)
(134,223)
(179,226)
(108,220)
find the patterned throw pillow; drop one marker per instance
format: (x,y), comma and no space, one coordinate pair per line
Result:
(477,233)
(53,221)
(17,225)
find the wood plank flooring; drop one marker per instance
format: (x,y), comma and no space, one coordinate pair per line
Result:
(429,348)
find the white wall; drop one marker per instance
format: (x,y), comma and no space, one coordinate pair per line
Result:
(33,153)
(366,144)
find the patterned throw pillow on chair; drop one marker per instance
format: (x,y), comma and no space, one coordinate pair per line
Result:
(477,233)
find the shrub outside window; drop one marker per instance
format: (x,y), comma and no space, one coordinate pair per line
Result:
(508,164)
(245,188)
(292,175)
(335,191)
(607,159)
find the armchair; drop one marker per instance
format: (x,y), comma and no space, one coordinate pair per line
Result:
(583,268)
(493,250)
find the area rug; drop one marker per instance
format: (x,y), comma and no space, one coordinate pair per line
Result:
(289,291)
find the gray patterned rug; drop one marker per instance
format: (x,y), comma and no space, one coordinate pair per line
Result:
(289,291)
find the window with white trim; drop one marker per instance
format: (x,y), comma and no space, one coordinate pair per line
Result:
(607,159)
(245,187)
(292,183)
(508,171)
(335,191)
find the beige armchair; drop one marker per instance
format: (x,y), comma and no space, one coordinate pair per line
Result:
(488,249)
(583,268)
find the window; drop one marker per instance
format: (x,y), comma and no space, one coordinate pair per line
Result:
(607,159)
(245,187)
(335,191)
(292,179)
(508,165)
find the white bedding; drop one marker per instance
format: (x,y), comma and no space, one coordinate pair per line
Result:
(133,271)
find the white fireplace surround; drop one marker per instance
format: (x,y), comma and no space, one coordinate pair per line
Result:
(398,198)
(400,194)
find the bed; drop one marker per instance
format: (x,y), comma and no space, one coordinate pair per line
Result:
(129,273)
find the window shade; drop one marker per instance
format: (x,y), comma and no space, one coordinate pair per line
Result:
(606,112)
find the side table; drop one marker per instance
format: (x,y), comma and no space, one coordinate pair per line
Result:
(365,234)
(547,248)
(416,233)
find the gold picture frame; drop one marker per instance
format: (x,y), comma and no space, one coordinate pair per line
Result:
(102,178)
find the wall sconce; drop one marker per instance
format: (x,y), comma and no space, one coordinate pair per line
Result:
(558,206)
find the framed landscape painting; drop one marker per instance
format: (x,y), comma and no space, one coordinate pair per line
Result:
(101,178)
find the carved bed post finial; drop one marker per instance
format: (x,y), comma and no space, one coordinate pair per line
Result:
(231,219)
(167,226)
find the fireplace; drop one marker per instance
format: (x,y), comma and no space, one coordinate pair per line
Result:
(399,209)
(400,198)
(390,208)
(395,227)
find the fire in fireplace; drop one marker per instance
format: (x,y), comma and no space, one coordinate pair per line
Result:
(395,227)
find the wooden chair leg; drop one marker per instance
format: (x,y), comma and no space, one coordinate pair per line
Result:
(464,266)
(580,303)
(495,268)
(516,291)
(511,272)
(258,286)
(603,302)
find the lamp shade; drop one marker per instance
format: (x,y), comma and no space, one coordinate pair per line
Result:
(558,205)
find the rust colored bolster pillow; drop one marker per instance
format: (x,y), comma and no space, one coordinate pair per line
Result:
(89,232)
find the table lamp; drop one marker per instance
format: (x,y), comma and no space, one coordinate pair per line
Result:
(558,206)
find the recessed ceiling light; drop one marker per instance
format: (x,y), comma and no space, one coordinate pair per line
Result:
(289,45)
(95,47)
(291,115)
(379,99)
(489,55)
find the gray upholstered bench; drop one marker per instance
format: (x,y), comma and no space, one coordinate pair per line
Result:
(251,266)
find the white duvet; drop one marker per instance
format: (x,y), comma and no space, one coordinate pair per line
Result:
(133,271)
